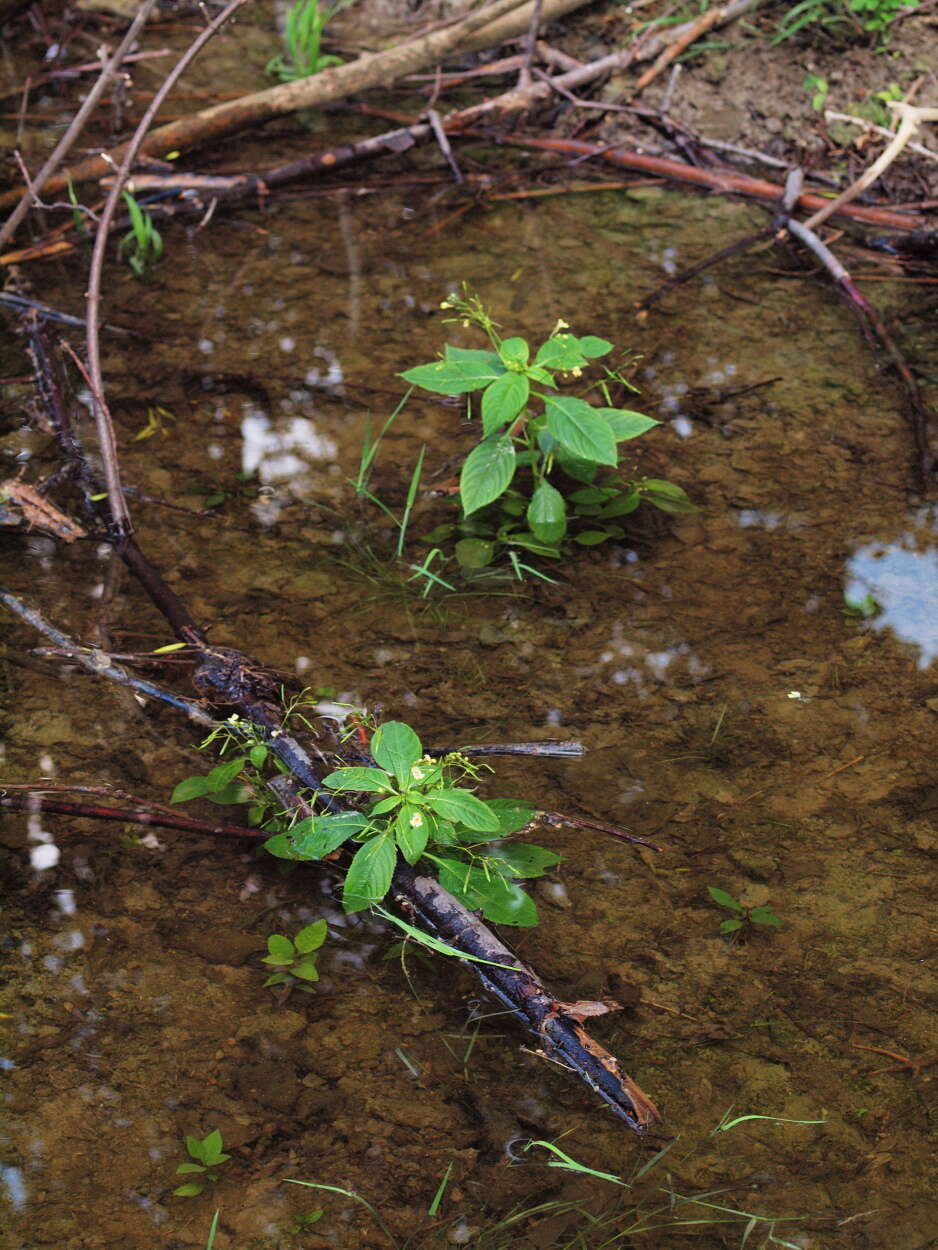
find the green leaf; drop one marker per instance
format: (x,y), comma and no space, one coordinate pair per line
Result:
(730,926)
(306,970)
(188,1191)
(411,831)
(724,899)
(592,346)
(211,1148)
(370,872)
(511,814)
(258,755)
(577,426)
(547,513)
(186,1169)
(280,846)
(487,472)
(282,950)
(311,938)
(502,400)
(474,553)
(624,503)
(321,835)
(763,915)
(383,806)
(234,792)
(475,356)
(625,424)
(667,496)
(501,901)
(453,377)
(222,776)
(561,352)
(573,466)
(191,788)
(523,859)
(361,780)
(396,748)
(194,1147)
(590,495)
(463,807)
(514,351)
(592,538)
(278,978)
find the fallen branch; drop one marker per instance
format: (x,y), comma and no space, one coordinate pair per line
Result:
(377,69)
(726,181)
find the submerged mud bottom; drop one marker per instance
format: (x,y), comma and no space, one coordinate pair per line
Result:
(738,712)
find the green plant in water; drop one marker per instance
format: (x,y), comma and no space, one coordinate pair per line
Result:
(422,812)
(743,915)
(204,1155)
(294,960)
(302,40)
(532,480)
(143,237)
(419,810)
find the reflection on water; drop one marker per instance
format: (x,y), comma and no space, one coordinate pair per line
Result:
(902,579)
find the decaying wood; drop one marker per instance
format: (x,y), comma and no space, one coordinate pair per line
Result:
(38,512)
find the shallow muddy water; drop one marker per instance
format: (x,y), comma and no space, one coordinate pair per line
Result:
(774,745)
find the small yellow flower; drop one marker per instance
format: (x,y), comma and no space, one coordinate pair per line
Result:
(416,821)
(417,773)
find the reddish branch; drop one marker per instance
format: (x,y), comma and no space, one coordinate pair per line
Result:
(35,801)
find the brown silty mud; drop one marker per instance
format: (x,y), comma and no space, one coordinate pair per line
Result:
(775,746)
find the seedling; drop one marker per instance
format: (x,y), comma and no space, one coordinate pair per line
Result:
(302,40)
(295,961)
(532,483)
(744,915)
(860,607)
(819,88)
(206,1154)
(143,237)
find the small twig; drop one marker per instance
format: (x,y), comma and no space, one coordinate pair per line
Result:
(690,34)
(33,801)
(841,768)
(101,664)
(120,515)
(440,134)
(832,116)
(670,88)
(108,70)
(911,118)
(530,39)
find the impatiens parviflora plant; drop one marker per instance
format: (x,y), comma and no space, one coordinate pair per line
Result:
(541,448)
(414,805)
(294,959)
